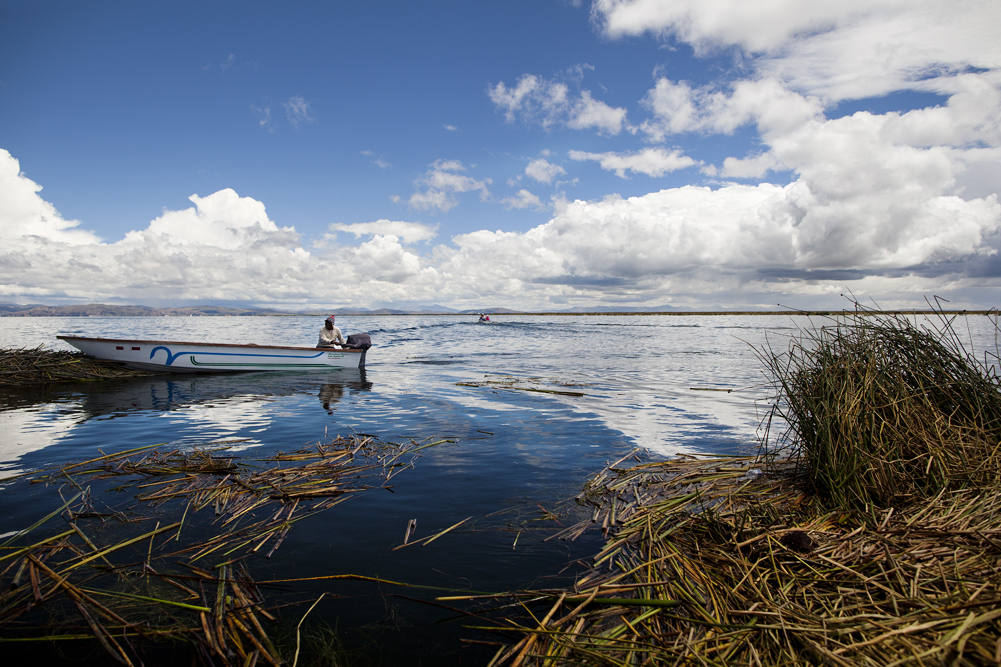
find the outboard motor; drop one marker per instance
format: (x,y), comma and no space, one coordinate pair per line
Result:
(359,342)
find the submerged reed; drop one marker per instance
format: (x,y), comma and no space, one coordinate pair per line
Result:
(173,566)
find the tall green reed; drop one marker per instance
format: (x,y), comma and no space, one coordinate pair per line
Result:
(886,411)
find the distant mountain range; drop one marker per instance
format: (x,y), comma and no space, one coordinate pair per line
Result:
(104,310)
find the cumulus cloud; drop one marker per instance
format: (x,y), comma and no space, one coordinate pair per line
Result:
(550,103)
(841,50)
(442,182)
(755,166)
(25,215)
(383,259)
(677,108)
(892,226)
(653,162)
(543,171)
(409,232)
(523,199)
(224,247)
(754,231)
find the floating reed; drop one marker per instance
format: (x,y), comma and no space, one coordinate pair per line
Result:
(116,578)
(23,366)
(770,560)
(537,384)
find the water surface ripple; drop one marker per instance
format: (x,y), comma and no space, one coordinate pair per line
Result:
(534,405)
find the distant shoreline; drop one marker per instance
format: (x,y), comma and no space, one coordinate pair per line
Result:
(673,313)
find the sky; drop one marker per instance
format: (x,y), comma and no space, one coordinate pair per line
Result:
(538,155)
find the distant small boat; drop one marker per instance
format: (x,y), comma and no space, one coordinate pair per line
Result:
(181,357)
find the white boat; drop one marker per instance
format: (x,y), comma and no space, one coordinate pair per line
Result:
(182,357)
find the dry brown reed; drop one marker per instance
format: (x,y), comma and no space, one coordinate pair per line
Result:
(708,563)
(27,366)
(115,577)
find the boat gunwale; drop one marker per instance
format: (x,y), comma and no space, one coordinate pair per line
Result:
(175,342)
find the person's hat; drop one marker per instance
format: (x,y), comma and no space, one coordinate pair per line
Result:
(330,319)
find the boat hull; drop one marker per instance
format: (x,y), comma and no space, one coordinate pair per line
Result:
(180,357)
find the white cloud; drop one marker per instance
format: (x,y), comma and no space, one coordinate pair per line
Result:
(677,108)
(383,259)
(263,116)
(838,50)
(550,103)
(220,220)
(971,116)
(543,171)
(589,113)
(873,199)
(686,233)
(524,199)
(297,111)
(443,182)
(703,23)
(755,166)
(224,248)
(410,232)
(24,214)
(377,161)
(653,162)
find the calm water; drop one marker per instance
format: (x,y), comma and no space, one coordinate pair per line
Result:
(515,451)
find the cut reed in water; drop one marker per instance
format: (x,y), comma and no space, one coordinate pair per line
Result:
(128,579)
(29,366)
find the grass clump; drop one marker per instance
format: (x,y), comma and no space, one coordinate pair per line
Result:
(886,412)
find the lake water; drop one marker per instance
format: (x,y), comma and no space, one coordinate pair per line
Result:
(518,447)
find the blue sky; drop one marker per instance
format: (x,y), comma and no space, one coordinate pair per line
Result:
(535,155)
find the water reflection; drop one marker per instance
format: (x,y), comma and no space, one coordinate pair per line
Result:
(183,408)
(331,392)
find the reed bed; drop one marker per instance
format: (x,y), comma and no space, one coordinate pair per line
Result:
(886,412)
(26,366)
(128,576)
(872,537)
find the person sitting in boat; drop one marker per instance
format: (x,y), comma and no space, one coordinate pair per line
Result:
(484,318)
(330,336)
